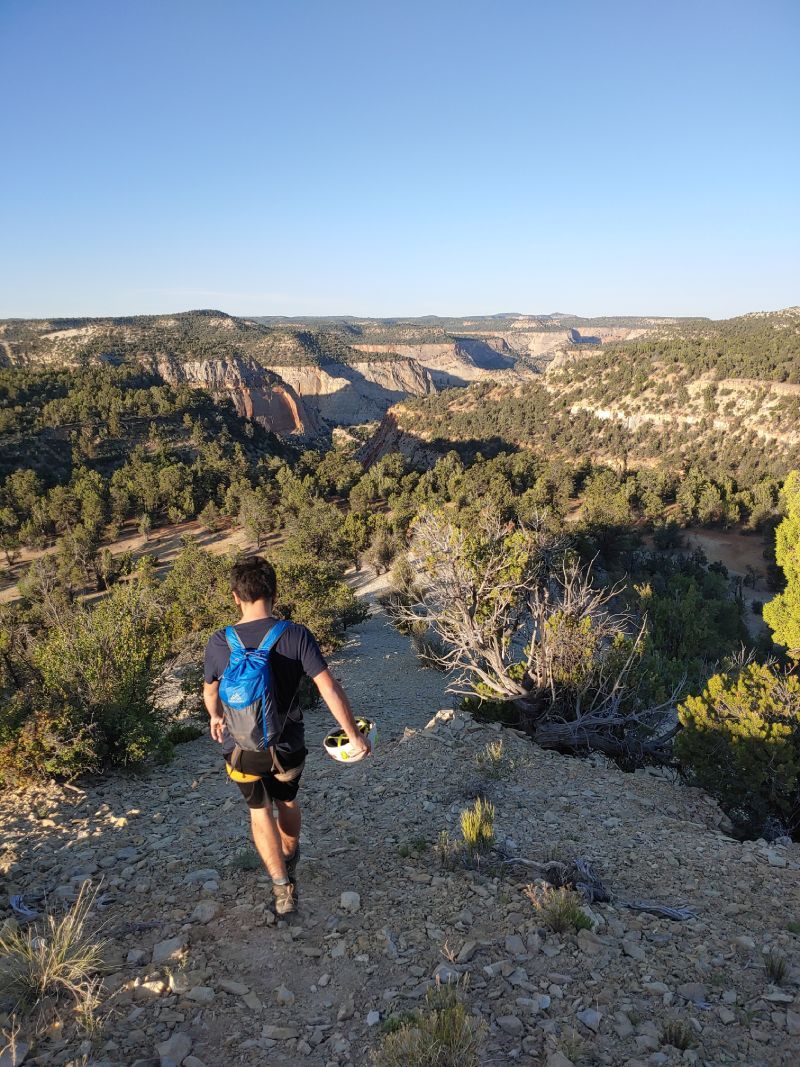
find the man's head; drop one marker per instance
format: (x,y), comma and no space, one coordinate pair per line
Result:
(253,578)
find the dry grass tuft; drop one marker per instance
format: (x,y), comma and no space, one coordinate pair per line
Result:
(559,909)
(572,1046)
(777,968)
(446,851)
(493,760)
(678,1034)
(45,965)
(442,1034)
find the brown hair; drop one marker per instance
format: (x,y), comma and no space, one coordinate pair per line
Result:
(253,578)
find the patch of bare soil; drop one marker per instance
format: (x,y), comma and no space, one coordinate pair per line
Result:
(165,543)
(743,555)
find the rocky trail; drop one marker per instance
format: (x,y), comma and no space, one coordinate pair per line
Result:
(199,972)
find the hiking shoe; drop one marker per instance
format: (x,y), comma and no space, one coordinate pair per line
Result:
(291,863)
(285,898)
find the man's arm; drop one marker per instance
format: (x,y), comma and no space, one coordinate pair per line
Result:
(214,709)
(336,699)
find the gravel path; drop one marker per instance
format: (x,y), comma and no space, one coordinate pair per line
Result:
(199,973)
(383,677)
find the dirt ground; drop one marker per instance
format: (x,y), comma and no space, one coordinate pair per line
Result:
(196,961)
(164,543)
(737,551)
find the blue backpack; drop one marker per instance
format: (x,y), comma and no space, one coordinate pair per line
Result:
(251,713)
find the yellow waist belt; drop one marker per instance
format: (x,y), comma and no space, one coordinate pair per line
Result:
(240,776)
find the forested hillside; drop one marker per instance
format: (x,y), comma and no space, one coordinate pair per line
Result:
(721,399)
(190,335)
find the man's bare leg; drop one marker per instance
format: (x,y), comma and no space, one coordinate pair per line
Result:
(288,826)
(268,841)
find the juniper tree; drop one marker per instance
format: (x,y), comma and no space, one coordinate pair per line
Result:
(782,614)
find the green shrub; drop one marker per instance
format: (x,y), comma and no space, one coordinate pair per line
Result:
(246,859)
(382,551)
(182,732)
(311,592)
(197,594)
(88,700)
(446,851)
(741,742)
(493,760)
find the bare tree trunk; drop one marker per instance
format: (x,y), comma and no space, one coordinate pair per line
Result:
(571,737)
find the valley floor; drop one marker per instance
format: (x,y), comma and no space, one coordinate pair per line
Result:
(195,955)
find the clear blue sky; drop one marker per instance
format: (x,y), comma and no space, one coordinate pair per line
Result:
(396,157)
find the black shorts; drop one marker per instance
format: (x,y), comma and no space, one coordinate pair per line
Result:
(266,787)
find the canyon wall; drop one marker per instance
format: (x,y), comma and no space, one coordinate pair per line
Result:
(303,399)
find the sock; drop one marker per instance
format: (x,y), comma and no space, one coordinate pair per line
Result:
(280,881)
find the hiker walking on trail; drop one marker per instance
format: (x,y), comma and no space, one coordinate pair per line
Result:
(252,674)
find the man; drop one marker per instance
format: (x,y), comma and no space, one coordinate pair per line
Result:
(262,779)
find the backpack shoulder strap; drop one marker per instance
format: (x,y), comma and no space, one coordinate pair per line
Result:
(233,639)
(273,635)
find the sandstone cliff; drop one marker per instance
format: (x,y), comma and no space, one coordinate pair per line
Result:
(509,355)
(256,392)
(346,394)
(459,361)
(303,399)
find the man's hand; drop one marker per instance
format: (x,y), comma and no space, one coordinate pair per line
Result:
(211,700)
(336,699)
(360,748)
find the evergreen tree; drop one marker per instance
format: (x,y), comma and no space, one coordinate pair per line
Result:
(782,614)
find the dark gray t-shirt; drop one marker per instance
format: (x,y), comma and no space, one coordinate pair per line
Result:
(296,653)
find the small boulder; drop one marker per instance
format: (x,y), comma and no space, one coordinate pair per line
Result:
(283,996)
(347,1009)
(278,1033)
(446,974)
(695,992)
(515,945)
(350,902)
(227,985)
(165,950)
(591,1018)
(510,1024)
(205,911)
(206,874)
(201,994)
(174,1050)
(14,1057)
